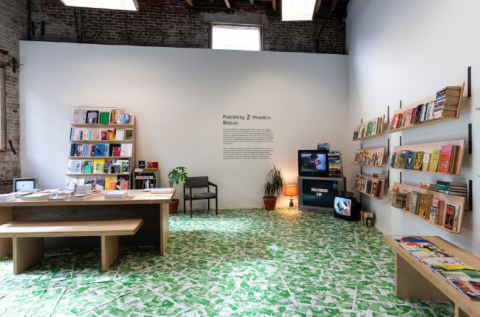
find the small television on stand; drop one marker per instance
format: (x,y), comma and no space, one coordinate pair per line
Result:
(318,193)
(313,163)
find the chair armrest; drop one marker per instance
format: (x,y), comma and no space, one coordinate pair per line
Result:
(214,185)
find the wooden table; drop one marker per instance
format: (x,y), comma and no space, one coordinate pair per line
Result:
(415,280)
(135,197)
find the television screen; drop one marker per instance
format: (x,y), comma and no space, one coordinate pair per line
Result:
(343,206)
(319,193)
(313,163)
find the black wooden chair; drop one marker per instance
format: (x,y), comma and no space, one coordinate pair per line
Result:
(199,182)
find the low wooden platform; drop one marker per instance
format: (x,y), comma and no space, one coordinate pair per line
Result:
(415,280)
(28,237)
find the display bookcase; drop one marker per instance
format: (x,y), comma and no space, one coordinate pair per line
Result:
(382,129)
(431,121)
(370,152)
(138,183)
(457,200)
(373,179)
(106,127)
(429,148)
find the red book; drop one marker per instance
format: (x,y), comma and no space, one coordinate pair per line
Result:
(92,149)
(123,184)
(394,122)
(104,135)
(408,119)
(445,159)
(116,151)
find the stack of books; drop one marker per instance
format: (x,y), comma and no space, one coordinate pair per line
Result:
(36,197)
(120,194)
(335,168)
(446,102)
(80,197)
(449,188)
(7,197)
(159,191)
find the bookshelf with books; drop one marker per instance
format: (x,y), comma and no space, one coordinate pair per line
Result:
(371,186)
(444,105)
(369,129)
(440,210)
(102,149)
(443,158)
(370,157)
(146,179)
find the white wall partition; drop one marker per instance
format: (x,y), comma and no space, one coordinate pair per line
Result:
(179,97)
(406,50)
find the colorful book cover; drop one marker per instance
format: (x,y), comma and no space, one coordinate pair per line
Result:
(435,160)
(408,117)
(98,166)
(410,158)
(87,166)
(445,159)
(110,183)
(104,118)
(418,161)
(122,182)
(369,186)
(435,210)
(450,216)
(424,205)
(103,135)
(128,134)
(98,150)
(106,149)
(369,129)
(108,167)
(414,202)
(91,182)
(100,184)
(392,160)
(394,122)
(374,126)
(375,189)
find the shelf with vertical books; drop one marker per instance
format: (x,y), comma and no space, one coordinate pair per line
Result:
(372,157)
(447,208)
(102,150)
(445,105)
(367,185)
(140,182)
(370,129)
(436,157)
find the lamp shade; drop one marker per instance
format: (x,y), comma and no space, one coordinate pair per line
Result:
(291,190)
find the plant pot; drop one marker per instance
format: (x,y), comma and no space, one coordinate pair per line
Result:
(173,206)
(270,202)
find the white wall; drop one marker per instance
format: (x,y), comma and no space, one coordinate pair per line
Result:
(406,50)
(179,97)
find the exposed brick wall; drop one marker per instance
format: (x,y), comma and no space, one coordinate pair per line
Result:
(170,24)
(13,20)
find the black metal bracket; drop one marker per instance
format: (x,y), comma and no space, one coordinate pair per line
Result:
(388,149)
(14,64)
(11,146)
(42,28)
(388,114)
(388,178)
(470,138)
(469,84)
(400,104)
(469,197)
(400,140)
(401,177)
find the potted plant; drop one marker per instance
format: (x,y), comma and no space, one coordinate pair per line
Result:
(177,175)
(272,188)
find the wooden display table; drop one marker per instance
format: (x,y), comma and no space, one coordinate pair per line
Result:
(135,197)
(415,280)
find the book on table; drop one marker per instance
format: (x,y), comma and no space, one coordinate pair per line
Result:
(118,194)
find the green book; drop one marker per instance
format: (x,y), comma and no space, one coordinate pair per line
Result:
(104,118)
(435,159)
(369,129)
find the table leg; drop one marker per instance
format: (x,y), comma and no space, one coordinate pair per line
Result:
(459,311)
(6,244)
(410,284)
(164,227)
(26,252)
(109,251)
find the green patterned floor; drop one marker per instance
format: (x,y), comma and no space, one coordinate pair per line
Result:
(241,263)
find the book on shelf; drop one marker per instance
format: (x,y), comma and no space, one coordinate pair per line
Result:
(436,211)
(98,150)
(414,202)
(110,183)
(426,162)
(128,134)
(92,116)
(79,116)
(119,134)
(152,165)
(418,161)
(410,158)
(115,149)
(87,166)
(98,166)
(123,182)
(100,184)
(450,188)
(91,181)
(104,118)
(74,167)
(451,216)
(58,198)
(424,206)
(447,101)
(70,184)
(126,149)
(367,218)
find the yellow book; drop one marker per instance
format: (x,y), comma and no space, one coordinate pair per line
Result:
(98,166)
(435,160)
(110,183)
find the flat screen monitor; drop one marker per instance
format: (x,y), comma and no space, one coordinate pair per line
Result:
(24,184)
(318,193)
(313,163)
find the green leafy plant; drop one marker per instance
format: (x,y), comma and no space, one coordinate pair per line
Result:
(177,175)
(273,183)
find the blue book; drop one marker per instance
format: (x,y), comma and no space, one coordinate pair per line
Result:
(98,150)
(410,160)
(106,149)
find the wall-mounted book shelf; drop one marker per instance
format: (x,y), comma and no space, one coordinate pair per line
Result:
(428,148)
(101,141)
(373,156)
(97,174)
(377,126)
(430,121)
(362,186)
(457,200)
(99,157)
(100,126)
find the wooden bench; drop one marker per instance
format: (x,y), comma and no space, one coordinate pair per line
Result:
(415,280)
(28,237)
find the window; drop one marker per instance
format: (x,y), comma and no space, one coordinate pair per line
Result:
(240,37)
